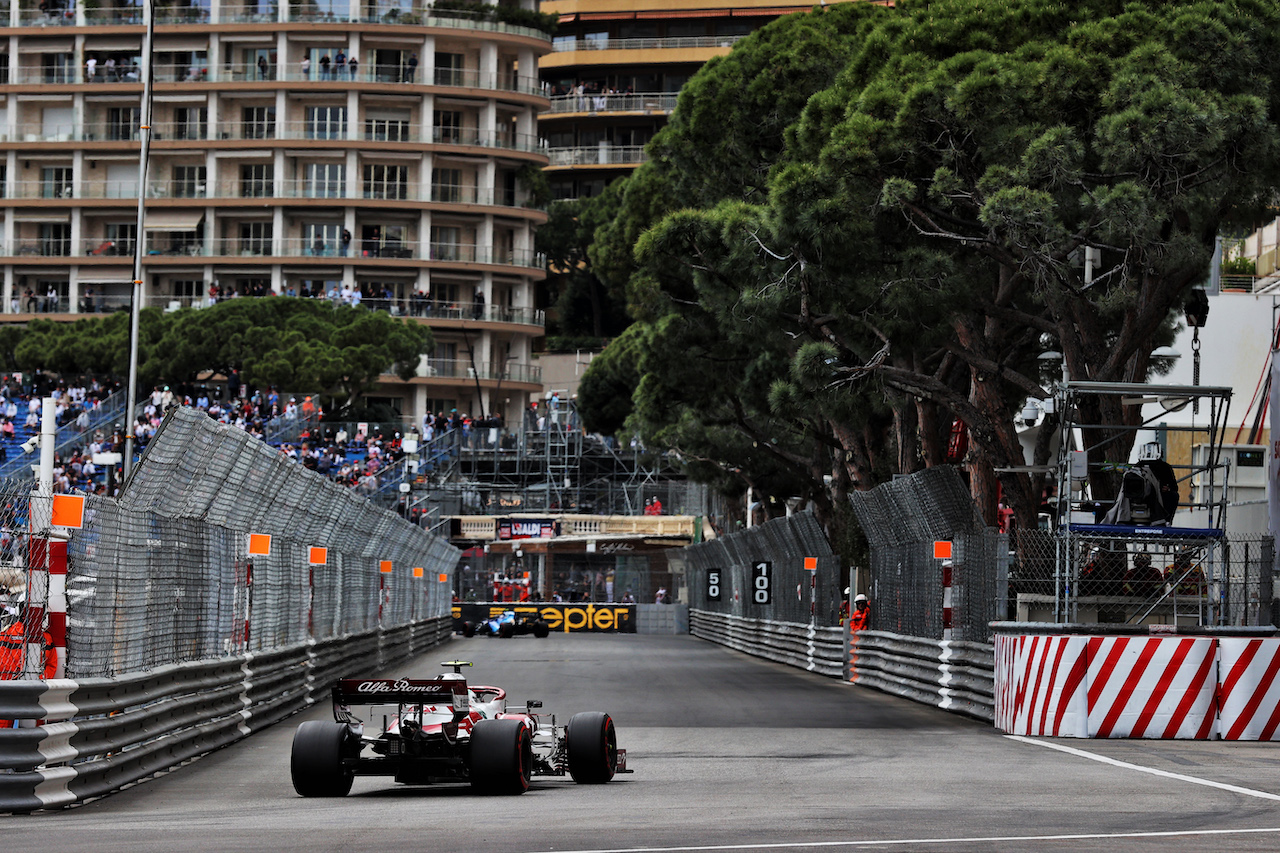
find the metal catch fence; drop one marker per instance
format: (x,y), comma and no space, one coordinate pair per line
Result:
(1169,576)
(760,573)
(164,573)
(902,519)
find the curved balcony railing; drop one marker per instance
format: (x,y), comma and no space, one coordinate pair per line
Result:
(93,300)
(460,368)
(647,44)
(99,131)
(186,244)
(598,155)
(645,102)
(133,16)
(241,73)
(273,189)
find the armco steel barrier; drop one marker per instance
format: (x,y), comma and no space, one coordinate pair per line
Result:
(953,675)
(808,647)
(99,734)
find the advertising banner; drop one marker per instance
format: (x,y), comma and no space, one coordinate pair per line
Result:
(526,528)
(565,618)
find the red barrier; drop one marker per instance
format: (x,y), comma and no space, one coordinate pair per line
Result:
(1186,687)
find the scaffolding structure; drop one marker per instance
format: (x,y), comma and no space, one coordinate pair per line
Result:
(1134,573)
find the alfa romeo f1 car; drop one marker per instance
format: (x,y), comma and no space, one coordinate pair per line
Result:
(508,624)
(441,729)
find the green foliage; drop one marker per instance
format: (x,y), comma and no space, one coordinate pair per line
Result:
(507,14)
(300,344)
(865,222)
(1239,266)
(584,306)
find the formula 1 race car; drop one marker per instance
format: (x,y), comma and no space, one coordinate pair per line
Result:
(442,730)
(508,624)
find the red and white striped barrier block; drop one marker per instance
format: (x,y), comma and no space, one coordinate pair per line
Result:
(1152,687)
(1040,685)
(1249,697)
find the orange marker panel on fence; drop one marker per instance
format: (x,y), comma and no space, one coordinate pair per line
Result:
(318,556)
(942,550)
(417,571)
(385,567)
(259,544)
(443,578)
(68,511)
(810,564)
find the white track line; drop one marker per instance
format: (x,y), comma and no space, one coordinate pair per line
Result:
(920,842)
(1195,780)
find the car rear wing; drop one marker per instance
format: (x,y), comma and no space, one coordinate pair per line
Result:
(402,691)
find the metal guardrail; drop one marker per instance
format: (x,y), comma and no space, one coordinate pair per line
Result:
(809,647)
(953,675)
(98,735)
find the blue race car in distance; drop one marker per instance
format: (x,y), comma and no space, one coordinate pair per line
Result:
(508,624)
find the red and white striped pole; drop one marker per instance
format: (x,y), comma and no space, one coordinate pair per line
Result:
(946,599)
(40,518)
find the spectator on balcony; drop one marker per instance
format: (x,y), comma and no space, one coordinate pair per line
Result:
(263,70)
(317,248)
(90,69)
(306,68)
(477,307)
(51,300)
(411,68)
(325,62)
(109,69)
(353,66)
(346,242)
(339,64)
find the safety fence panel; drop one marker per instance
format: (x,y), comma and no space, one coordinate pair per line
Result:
(1184,687)
(760,573)
(166,573)
(1135,575)
(909,585)
(82,738)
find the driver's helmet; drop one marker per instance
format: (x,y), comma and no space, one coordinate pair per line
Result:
(1150,452)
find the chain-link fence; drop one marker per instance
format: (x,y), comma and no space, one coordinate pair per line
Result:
(164,574)
(902,520)
(1162,575)
(760,573)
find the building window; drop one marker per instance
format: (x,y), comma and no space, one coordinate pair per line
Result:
(255,238)
(187,289)
(58,67)
(55,238)
(324,180)
(259,122)
(326,122)
(257,180)
(121,237)
(122,123)
(391,182)
(189,122)
(387,129)
(448,126)
(449,69)
(55,182)
(445,242)
(189,181)
(446,185)
(321,238)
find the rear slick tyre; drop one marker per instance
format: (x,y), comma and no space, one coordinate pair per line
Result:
(501,757)
(316,762)
(592,746)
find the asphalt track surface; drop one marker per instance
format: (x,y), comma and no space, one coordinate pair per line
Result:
(729,753)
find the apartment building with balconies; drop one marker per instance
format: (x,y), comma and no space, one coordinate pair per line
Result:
(296,148)
(615,71)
